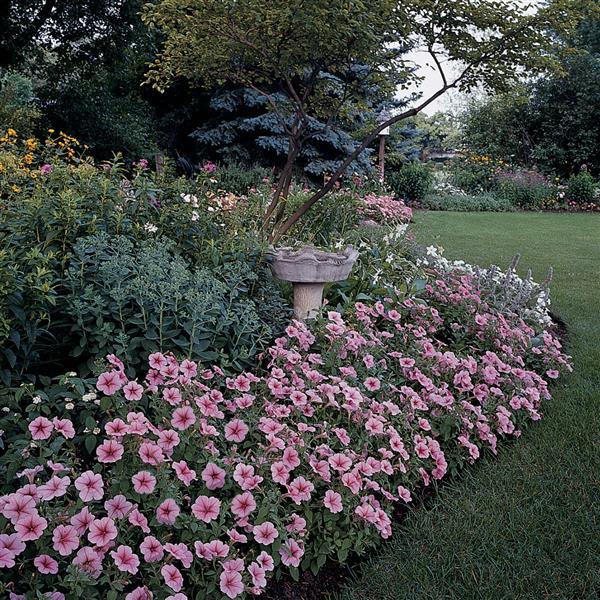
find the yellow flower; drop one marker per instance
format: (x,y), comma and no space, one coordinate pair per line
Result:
(51,130)
(16,189)
(31,144)
(28,159)
(11,132)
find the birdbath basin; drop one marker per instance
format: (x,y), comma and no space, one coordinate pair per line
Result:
(309,269)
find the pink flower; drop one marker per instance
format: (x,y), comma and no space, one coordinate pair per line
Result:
(125,559)
(143,482)
(82,520)
(102,531)
(140,593)
(90,486)
(137,519)
(88,560)
(18,506)
(183,417)
(13,543)
(157,361)
(109,382)
(172,396)
(7,559)
(372,384)
(46,169)
(41,428)
(31,527)
(213,476)
(64,427)
(404,494)
(65,539)
(109,451)
(291,552)
(236,431)
(151,549)
(180,552)
(167,512)
(265,533)
(46,565)
(183,472)
(340,462)
(230,583)
(258,575)
(172,577)
(265,561)
(133,391)
(300,490)
(118,507)
(54,488)
(206,508)
(242,505)
(333,501)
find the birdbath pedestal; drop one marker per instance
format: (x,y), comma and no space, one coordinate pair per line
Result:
(308,270)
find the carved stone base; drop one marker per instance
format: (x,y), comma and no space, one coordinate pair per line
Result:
(308,299)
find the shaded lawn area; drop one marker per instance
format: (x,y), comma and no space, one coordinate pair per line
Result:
(526,524)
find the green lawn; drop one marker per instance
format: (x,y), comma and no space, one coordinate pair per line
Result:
(526,524)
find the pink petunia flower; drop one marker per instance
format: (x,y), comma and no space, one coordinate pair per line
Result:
(167,512)
(109,382)
(236,431)
(183,418)
(41,428)
(102,532)
(118,507)
(65,539)
(144,482)
(45,564)
(64,427)
(55,487)
(333,501)
(125,559)
(183,472)
(242,505)
(90,486)
(110,451)
(213,476)
(230,583)
(206,508)
(151,549)
(265,533)
(172,577)
(133,391)
(31,527)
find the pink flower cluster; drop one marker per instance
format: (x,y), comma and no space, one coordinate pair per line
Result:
(223,480)
(385,209)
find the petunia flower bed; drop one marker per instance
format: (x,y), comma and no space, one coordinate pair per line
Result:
(207,486)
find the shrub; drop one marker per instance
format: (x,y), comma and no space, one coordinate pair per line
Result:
(475,173)
(467,203)
(135,299)
(412,181)
(581,188)
(238,179)
(524,189)
(275,470)
(17,102)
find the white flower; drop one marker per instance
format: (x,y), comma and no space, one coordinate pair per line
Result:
(89,397)
(97,401)
(37,400)
(5,409)
(69,406)
(96,430)
(150,228)
(71,374)
(195,215)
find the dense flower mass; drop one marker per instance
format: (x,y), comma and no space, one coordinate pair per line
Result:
(205,484)
(385,209)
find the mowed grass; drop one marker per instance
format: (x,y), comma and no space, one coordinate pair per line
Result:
(524,524)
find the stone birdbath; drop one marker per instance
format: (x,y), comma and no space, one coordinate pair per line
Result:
(308,270)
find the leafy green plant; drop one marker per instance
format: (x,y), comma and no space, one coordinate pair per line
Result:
(411,181)
(133,299)
(581,188)
(524,189)
(467,202)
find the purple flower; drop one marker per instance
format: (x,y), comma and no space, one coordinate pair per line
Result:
(209,167)
(45,169)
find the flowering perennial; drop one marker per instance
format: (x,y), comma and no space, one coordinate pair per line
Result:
(205,484)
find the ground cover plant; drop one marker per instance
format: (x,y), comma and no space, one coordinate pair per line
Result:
(299,462)
(519,526)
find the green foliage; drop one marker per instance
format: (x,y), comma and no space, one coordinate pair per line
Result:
(475,173)
(411,181)
(238,179)
(581,188)
(134,299)
(17,103)
(524,189)
(468,203)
